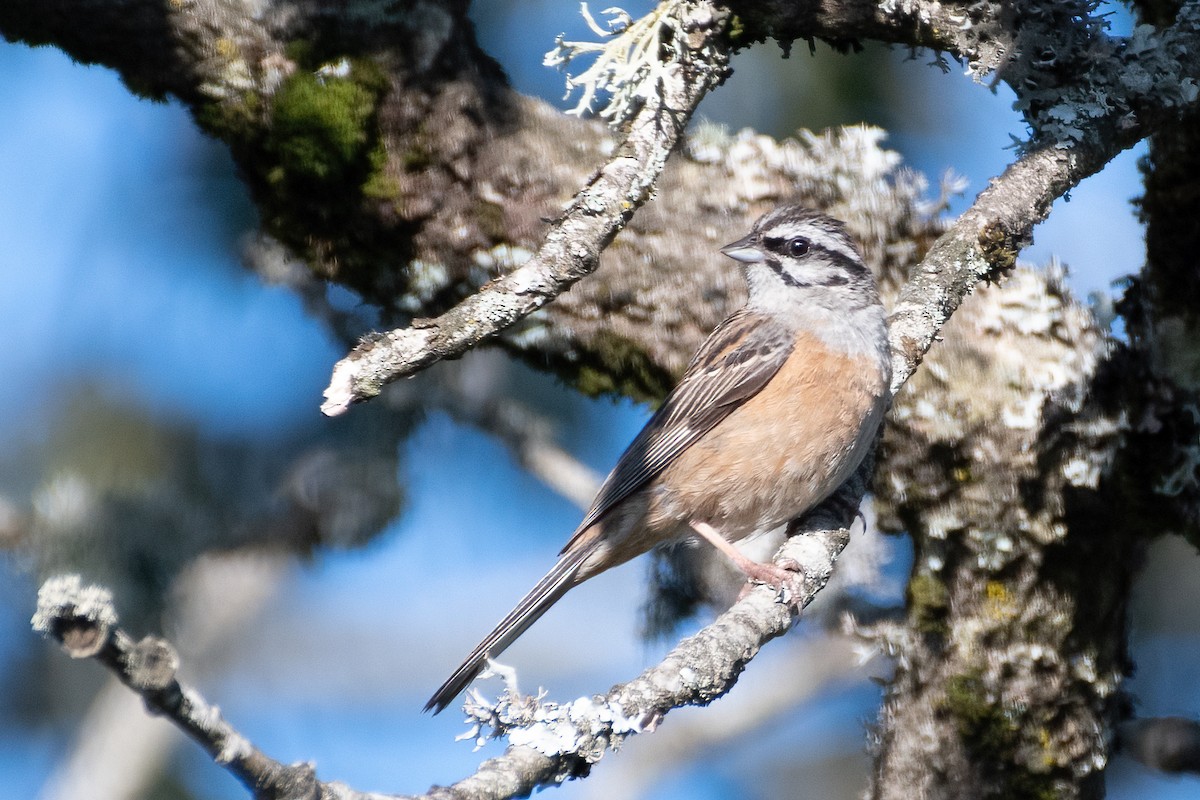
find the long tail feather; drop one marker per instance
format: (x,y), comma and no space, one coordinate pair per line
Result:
(532,606)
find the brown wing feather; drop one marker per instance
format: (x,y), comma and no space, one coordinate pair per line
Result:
(736,361)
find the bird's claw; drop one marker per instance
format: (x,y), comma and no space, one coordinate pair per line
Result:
(782,575)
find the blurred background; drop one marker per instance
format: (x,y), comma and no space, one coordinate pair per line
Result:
(161,400)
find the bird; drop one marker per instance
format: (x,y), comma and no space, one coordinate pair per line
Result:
(777,408)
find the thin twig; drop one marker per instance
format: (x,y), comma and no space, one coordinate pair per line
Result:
(83,620)
(118,750)
(1167,744)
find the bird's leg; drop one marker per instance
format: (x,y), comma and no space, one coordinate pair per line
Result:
(770,574)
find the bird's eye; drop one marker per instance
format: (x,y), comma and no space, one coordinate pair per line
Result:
(797,246)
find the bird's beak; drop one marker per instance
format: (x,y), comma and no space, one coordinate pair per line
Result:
(744,250)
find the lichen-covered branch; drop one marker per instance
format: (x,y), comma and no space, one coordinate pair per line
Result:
(981,245)
(774,692)
(83,620)
(698,61)
(1000,461)
(552,742)
(119,750)
(984,242)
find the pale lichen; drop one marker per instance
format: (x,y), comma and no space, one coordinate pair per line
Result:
(629,65)
(65,598)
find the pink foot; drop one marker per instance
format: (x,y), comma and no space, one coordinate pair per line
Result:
(780,576)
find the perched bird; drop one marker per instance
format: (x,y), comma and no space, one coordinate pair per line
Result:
(775,411)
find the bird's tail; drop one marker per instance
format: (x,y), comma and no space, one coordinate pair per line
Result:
(545,594)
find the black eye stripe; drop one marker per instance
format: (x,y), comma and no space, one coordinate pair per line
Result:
(781,246)
(838,257)
(789,245)
(850,266)
(848,263)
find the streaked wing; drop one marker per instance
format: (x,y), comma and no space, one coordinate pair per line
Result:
(735,362)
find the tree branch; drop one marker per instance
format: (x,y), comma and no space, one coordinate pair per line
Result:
(572,247)
(83,620)
(550,743)
(802,671)
(1079,129)
(119,749)
(1168,744)
(981,245)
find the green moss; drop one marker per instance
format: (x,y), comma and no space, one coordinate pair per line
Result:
(314,157)
(980,721)
(619,366)
(379,185)
(928,602)
(737,28)
(994,737)
(231,119)
(323,128)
